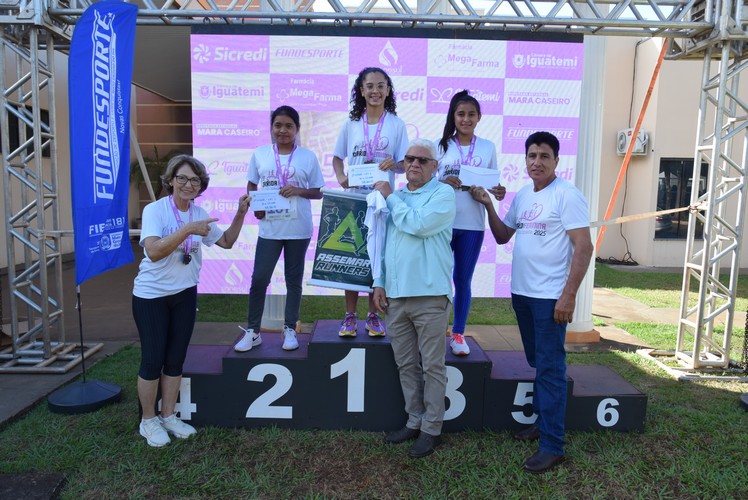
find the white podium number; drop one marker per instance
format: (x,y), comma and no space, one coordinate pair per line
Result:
(456,399)
(184,407)
(607,415)
(262,406)
(523,397)
(354,364)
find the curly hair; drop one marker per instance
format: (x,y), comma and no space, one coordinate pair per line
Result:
(358,103)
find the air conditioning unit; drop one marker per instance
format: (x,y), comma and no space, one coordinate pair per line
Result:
(624,139)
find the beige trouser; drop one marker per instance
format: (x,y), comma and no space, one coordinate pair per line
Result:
(416,326)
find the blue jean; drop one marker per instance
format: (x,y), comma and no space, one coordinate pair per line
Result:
(543,340)
(466,247)
(266,257)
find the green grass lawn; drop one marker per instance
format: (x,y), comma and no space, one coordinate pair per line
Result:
(694,444)
(693,447)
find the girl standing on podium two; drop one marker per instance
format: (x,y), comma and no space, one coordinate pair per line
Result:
(164,301)
(292,172)
(373,134)
(459,146)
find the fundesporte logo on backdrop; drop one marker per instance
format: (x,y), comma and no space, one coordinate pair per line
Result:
(238,79)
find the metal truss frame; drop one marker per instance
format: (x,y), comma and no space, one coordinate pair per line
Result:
(711,30)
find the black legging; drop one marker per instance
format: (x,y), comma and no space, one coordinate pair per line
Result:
(165,327)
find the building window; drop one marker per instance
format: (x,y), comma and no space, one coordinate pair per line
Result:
(674,186)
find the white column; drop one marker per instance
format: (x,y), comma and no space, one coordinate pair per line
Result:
(274,313)
(587,176)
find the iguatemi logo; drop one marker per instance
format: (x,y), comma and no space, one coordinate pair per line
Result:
(201,53)
(544,61)
(388,55)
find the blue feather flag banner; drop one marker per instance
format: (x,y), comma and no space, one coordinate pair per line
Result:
(99,78)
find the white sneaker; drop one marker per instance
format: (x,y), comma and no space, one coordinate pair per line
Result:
(152,430)
(176,427)
(249,340)
(289,339)
(458,345)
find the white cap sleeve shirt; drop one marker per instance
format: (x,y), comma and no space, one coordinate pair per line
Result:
(305,172)
(471,215)
(542,252)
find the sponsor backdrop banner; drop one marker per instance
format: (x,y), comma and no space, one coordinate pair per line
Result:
(341,259)
(100,73)
(523,86)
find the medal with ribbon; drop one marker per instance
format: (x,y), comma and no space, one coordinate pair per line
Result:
(187,245)
(371,146)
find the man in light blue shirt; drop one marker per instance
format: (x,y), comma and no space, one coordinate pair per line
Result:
(415,289)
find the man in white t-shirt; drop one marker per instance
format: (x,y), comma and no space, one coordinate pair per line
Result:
(551,254)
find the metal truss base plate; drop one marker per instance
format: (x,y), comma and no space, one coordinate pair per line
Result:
(32,360)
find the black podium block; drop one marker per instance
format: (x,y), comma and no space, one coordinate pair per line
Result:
(602,399)
(466,378)
(357,382)
(509,391)
(333,382)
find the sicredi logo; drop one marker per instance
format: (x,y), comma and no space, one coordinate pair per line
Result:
(202,54)
(544,61)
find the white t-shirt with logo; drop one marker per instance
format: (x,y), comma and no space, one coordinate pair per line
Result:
(542,250)
(393,143)
(304,172)
(471,215)
(170,275)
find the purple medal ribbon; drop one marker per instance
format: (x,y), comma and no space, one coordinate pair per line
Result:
(187,245)
(469,159)
(283,175)
(367,144)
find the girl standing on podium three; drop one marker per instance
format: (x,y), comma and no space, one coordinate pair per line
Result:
(374,134)
(460,146)
(294,173)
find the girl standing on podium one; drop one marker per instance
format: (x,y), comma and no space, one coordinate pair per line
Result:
(373,134)
(458,147)
(292,172)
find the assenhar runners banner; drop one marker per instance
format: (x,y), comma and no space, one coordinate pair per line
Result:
(100,73)
(341,259)
(237,79)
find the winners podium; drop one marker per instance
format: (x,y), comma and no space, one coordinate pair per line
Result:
(352,383)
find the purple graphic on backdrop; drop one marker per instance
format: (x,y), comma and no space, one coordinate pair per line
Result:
(222,204)
(516,129)
(547,61)
(488,91)
(228,168)
(397,56)
(239,79)
(309,92)
(218,53)
(230,129)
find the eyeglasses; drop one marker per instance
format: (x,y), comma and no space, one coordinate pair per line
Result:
(421,159)
(183,179)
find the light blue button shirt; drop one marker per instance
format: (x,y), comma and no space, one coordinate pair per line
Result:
(417,257)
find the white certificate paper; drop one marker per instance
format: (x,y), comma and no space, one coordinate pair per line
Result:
(474,176)
(367,174)
(267,199)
